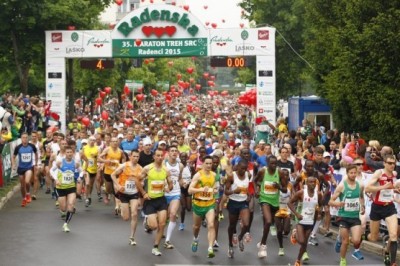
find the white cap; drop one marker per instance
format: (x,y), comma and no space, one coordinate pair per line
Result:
(191,127)
(262,141)
(157,119)
(239,116)
(326,154)
(120,136)
(162,142)
(238,141)
(84,141)
(147,141)
(95,117)
(92,138)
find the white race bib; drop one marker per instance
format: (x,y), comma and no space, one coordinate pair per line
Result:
(308,215)
(26,157)
(352,205)
(67,178)
(269,188)
(130,187)
(386,195)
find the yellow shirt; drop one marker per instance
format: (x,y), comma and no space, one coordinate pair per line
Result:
(112,155)
(205,199)
(91,154)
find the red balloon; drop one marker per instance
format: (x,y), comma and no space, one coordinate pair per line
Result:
(178,76)
(185,123)
(193,98)
(210,83)
(140,90)
(191,80)
(127,90)
(86,121)
(224,123)
(104,115)
(168,97)
(154,92)
(206,75)
(172,87)
(190,70)
(107,90)
(128,121)
(119,2)
(259,120)
(189,108)
(103,94)
(140,97)
(212,77)
(130,105)
(158,104)
(198,86)
(99,101)
(224,93)
(167,101)
(216,115)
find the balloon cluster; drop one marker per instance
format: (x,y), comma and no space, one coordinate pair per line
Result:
(249,98)
(102,95)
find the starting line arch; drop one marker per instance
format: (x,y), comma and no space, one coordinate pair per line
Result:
(161,31)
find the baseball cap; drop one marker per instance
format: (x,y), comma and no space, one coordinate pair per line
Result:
(84,141)
(95,117)
(326,154)
(147,141)
(262,141)
(92,138)
(120,136)
(202,138)
(162,142)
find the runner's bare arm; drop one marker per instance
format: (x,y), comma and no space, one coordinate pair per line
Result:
(103,155)
(336,194)
(192,185)
(298,196)
(371,185)
(114,175)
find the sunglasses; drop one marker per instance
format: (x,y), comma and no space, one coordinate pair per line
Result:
(390,163)
(358,164)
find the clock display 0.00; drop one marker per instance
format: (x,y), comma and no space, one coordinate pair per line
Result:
(232,61)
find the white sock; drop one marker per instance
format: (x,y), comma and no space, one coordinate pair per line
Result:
(171,227)
(315,229)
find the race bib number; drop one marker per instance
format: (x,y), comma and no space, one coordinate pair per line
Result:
(352,205)
(308,215)
(26,157)
(90,162)
(157,187)
(175,183)
(67,178)
(386,195)
(130,187)
(269,188)
(243,190)
(206,196)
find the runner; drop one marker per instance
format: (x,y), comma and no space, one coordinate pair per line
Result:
(219,176)
(112,156)
(65,185)
(310,204)
(155,204)
(269,183)
(236,188)
(174,196)
(351,204)
(381,187)
(203,189)
(89,155)
(127,180)
(282,216)
(25,165)
(186,198)
(38,168)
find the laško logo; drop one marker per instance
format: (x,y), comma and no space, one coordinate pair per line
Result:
(56,37)
(263,34)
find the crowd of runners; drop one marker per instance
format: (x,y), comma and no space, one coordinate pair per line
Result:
(165,160)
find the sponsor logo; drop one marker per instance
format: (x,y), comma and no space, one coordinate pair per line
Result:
(244,35)
(56,37)
(220,41)
(261,84)
(263,34)
(244,47)
(74,49)
(97,42)
(265,73)
(54,75)
(74,37)
(50,86)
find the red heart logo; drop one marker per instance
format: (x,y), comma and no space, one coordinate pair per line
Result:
(159,31)
(189,70)
(170,30)
(207,23)
(147,30)
(138,42)
(173,3)
(214,25)
(186,7)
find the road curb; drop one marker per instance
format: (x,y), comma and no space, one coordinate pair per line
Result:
(9,195)
(371,247)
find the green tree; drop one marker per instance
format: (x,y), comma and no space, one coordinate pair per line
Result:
(24,22)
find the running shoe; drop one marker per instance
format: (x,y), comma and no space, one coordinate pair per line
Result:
(241,245)
(156,252)
(328,234)
(181,226)
(28,198)
(272,229)
(313,241)
(211,253)
(235,240)
(343,262)
(281,252)
(100,197)
(293,239)
(87,203)
(247,237)
(47,191)
(230,252)
(66,228)
(386,259)
(34,197)
(204,223)
(117,211)
(216,244)
(145,226)
(132,241)
(63,214)
(305,257)
(57,204)
(23,203)
(220,216)
(357,255)
(195,245)
(262,251)
(168,245)
(338,244)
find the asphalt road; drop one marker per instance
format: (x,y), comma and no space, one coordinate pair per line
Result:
(33,236)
